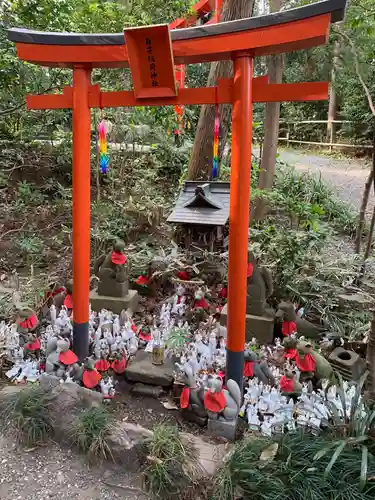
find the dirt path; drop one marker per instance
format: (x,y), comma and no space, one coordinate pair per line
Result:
(54,472)
(346,176)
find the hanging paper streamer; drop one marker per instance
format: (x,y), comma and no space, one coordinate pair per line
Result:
(215,162)
(104,158)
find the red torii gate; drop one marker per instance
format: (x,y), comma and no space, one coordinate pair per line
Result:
(151,52)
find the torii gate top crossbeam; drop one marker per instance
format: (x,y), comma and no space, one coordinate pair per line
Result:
(295,29)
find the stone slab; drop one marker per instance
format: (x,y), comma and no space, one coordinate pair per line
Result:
(356,301)
(142,370)
(114,304)
(191,416)
(152,391)
(223,428)
(260,327)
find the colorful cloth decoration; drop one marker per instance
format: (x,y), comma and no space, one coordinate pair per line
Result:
(250,269)
(91,378)
(119,365)
(33,346)
(68,358)
(142,280)
(104,158)
(215,161)
(68,302)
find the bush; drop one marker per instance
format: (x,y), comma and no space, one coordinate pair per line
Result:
(27,415)
(90,431)
(172,465)
(290,473)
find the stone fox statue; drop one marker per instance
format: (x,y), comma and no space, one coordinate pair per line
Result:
(259,287)
(112,272)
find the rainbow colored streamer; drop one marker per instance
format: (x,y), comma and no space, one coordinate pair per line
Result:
(104,158)
(215,162)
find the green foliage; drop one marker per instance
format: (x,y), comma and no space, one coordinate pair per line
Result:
(353,429)
(26,414)
(172,464)
(90,431)
(292,473)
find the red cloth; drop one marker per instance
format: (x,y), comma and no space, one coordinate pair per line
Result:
(250,269)
(286,384)
(223,293)
(306,364)
(68,302)
(185,397)
(201,304)
(119,365)
(68,358)
(142,280)
(54,292)
(145,336)
(91,378)
(249,369)
(33,346)
(102,365)
(215,401)
(29,322)
(183,275)
(118,258)
(291,354)
(221,374)
(288,328)
(134,328)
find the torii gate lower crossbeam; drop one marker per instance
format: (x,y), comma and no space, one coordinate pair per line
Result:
(151,53)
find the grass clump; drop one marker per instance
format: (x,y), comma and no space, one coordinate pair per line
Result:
(90,431)
(26,414)
(291,473)
(172,466)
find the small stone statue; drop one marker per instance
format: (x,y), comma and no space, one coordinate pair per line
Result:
(27,322)
(294,324)
(222,404)
(112,272)
(259,287)
(289,386)
(258,368)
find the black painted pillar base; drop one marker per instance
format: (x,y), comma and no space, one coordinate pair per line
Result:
(81,340)
(235,367)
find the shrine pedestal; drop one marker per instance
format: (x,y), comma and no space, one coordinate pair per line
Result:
(223,428)
(260,327)
(114,304)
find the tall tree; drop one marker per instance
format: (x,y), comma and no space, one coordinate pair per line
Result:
(271,128)
(332,105)
(201,156)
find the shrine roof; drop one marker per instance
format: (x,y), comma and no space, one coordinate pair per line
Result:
(334,7)
(203,203)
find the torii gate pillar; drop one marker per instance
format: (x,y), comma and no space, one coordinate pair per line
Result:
(239,214)
(81,209)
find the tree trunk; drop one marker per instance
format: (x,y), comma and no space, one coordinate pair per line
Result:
(202,154)
(370,359)
(332,105)
(271,129)
(365,197)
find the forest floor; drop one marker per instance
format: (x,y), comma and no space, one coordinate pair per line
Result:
(55,472)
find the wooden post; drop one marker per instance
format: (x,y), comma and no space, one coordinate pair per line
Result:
(81,210)
(239,215)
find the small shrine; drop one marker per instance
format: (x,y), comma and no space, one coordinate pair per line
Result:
(202,214)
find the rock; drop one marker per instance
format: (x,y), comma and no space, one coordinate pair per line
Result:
(191,416)
(152,391)
(142,370)
(223,428)
(48,382)
(209,455)
(127,442)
